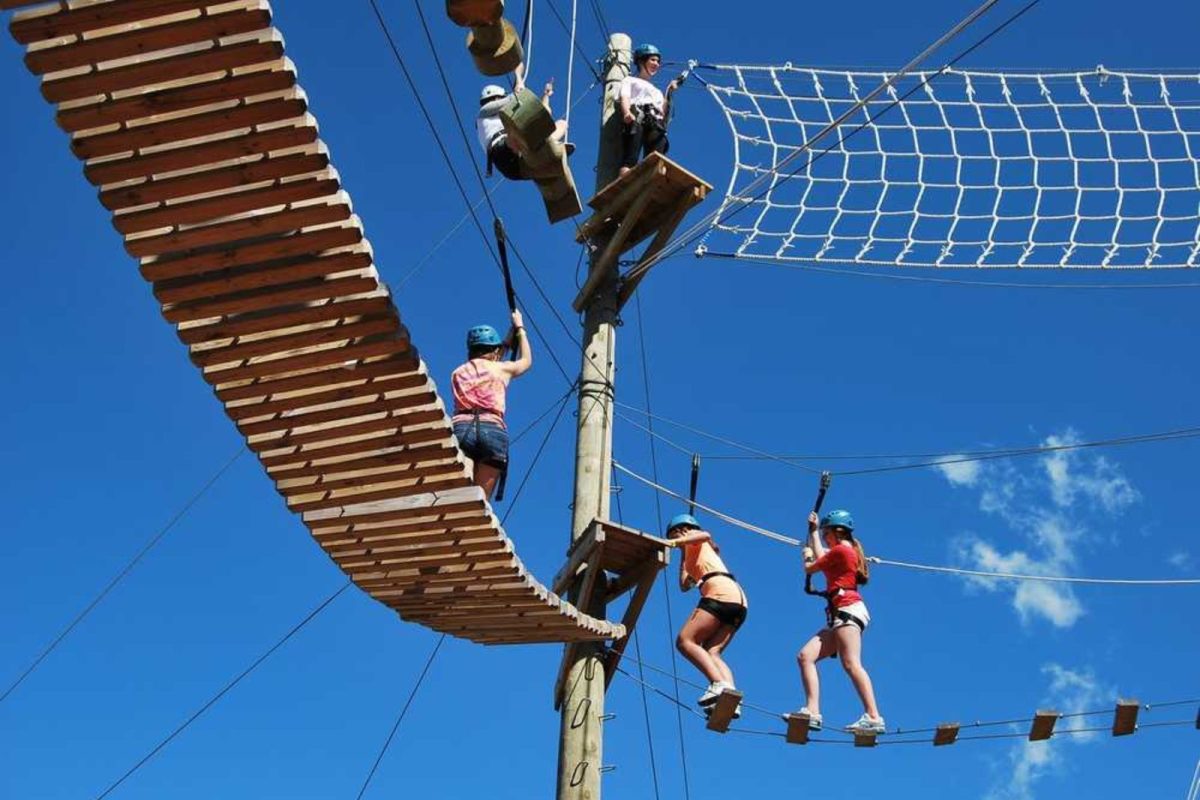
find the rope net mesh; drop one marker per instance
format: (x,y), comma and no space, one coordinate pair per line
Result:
(1094,169)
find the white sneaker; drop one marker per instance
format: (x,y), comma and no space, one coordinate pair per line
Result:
(867,724)
(814,720)
(710,695)
(737,712)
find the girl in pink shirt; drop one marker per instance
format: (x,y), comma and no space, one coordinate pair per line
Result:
(480,388)
(839,555)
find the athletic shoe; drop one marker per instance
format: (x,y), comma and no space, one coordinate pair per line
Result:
(814,720)
(737,712)
(867,724)
(710,695)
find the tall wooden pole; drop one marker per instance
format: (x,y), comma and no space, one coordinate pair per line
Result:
(581,736)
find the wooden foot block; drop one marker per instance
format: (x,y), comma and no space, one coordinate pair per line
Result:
(1125,717)
(947,733)
(722,710)
(797,728)
(1043,725)
(496,49)
(527,122)
(473,13)
(864,739)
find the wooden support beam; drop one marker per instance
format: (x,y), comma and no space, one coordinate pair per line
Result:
(578,556)
(607,259)
(639,272)
(797,728)
(1043,725)
(1125,717)
(723,710)
(632,613)
(947,733)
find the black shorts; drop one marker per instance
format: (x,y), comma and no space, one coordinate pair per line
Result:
(731,614)
(507,161)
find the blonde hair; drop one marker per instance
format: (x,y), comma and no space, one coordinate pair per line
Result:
(862,572)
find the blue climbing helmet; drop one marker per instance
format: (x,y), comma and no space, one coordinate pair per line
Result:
(839,518)
(680,520)
(644,51)
(483,336)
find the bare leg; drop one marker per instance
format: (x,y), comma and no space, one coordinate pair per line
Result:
(700,627)
(624,170)
(716,647)
(486,477)
(849,645)
(821,645)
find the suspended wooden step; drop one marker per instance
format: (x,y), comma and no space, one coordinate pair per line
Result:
(188,118)
(652,198)
(493,42)
(529,126)
(608,561)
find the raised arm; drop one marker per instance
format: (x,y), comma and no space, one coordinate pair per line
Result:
(815,549)
(519,339)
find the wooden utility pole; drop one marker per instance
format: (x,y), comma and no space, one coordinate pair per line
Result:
(581,736)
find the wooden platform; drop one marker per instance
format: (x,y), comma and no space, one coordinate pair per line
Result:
(188,118)
(650,199)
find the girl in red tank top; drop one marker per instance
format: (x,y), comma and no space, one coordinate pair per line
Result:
(834,551)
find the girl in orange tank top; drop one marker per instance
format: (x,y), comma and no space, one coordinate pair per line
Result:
(721,611)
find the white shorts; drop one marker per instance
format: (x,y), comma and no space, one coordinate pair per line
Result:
(856,610)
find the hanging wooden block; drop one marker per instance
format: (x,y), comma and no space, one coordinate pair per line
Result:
(797,728)
(473,13)
(722,710)
(496,48)
(865,738)
(1043,725)
(526,121)
(1125,717)
(947,733)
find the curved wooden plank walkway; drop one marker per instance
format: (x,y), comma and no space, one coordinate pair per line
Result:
(188,118)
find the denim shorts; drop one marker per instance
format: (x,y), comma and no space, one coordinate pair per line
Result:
(483,442)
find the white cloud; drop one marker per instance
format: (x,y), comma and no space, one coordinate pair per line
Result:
(1070,692)
(1052,508)
(959,473)
(1181,560)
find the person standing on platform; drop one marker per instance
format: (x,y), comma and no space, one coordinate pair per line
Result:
(644,109)
(480,388)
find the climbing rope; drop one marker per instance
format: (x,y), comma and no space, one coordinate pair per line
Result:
(788,540)
(571,62)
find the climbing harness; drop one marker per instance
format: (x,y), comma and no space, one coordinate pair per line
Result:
(831,612)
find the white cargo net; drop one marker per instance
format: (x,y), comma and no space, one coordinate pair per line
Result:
(1091,169)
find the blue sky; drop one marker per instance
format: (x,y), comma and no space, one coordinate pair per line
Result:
(111,431)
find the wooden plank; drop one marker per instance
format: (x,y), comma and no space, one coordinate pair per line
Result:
(603,266)
(722,710)
(225,233)
(142,41)
(947,733)
(386,345)
(654,248)
(271,297)
(797,728)
(172,68)
(265,169)
(246,255)
(340,498)
(374,388)
(260,281)
(183,129)
(330,431)
(357,410)
(239,353)
(227,205)
(167,101)
(580,553)
(234,147)
(260,392)
(305,453)
(1043,725)
(27,30)
(455,466)
(865,738)
(482,540)
(1125,717)
(275,319)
